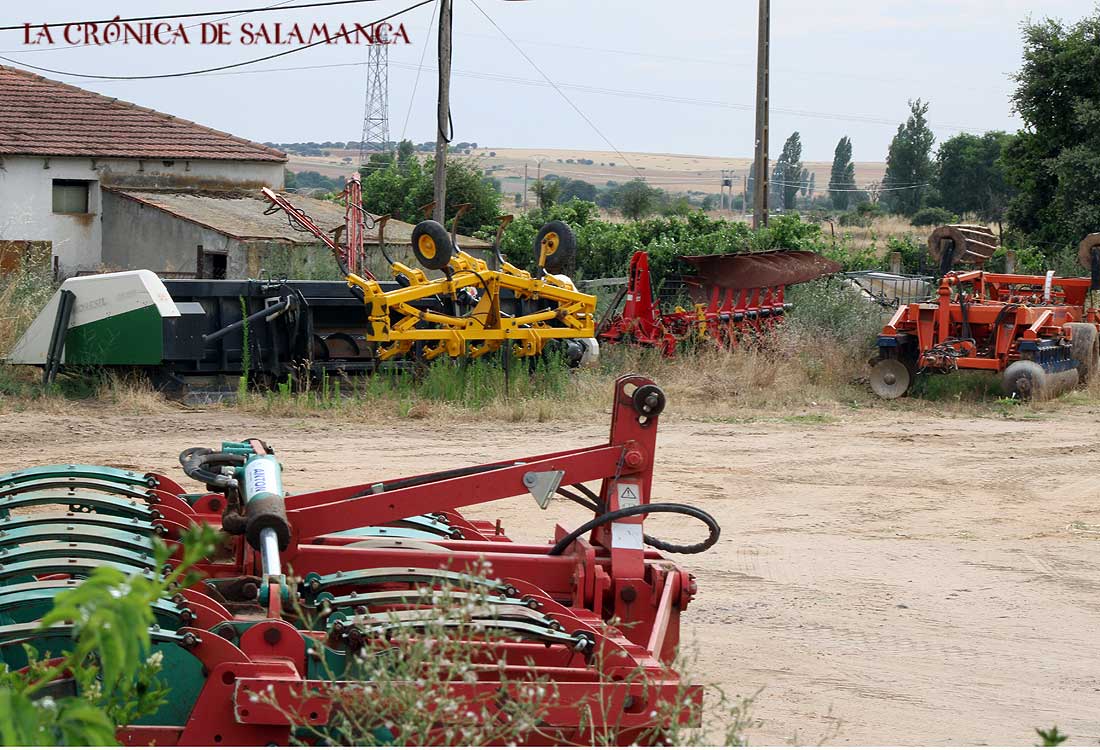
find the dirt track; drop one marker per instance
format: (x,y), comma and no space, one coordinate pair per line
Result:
(881,579)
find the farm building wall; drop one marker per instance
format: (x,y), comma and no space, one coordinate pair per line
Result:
(27,199)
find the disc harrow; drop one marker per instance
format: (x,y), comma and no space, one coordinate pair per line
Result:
(1040,333)
(307,588)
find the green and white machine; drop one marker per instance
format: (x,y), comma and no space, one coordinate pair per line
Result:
(112,319)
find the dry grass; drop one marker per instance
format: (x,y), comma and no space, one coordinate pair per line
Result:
(874,237)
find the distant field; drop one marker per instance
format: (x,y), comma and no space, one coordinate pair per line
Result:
(672,172)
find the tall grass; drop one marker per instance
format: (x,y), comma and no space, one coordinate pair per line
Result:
(23,294)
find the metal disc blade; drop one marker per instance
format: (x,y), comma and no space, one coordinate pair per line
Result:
(890,379)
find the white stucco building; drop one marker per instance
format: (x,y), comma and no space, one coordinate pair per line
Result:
(60,145)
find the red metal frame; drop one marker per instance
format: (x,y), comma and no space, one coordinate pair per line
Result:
(1002,311)
(627,597)
(725,318)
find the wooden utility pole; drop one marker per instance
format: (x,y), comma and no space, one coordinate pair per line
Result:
(760,181)
(524,187)
(443,112)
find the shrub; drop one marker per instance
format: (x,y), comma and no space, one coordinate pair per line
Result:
(932,216)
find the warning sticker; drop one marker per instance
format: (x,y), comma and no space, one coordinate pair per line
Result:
(628,495)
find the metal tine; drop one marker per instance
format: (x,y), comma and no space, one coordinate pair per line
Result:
(40,551)
(488,610)
(85,471)
(33,533)
(38,593)
(73,566)
(537,632)
(23,632)
(34,484)
(99,520)
(428,526)
(101,503)
(314,583)
(503,604)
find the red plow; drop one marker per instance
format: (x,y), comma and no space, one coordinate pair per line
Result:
(731,297)
(308,588)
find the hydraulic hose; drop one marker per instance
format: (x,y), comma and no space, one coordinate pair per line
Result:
(201,464)
(641,510)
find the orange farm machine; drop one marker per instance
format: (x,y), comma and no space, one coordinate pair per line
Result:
(1038,332)
(732,296)
(309,589)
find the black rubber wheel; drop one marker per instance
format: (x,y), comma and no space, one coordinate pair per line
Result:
(1085,346)
(555,246)
(432,245)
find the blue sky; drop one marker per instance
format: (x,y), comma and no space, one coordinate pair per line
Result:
(649,76)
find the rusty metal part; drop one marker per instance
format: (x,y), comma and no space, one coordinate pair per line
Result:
(1084,250)
(759,270)
(971,244)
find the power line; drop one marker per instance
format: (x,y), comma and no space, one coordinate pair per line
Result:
(419,68)
(219,67)
(185,15)
(191,26)
(555,87)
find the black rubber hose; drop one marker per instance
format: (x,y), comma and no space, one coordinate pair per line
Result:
(197,463)
(641,510)
(594,504)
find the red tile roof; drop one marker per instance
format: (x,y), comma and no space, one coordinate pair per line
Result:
(49,118)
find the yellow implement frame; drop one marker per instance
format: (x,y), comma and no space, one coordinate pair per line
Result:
(396,324)
(394,320)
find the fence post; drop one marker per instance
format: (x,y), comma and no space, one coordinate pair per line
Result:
(895,262)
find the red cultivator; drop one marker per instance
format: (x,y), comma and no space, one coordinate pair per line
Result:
(1034,330)
(311,587)
(1038,332)
(733,296)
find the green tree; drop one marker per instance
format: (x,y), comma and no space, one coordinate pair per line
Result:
(547,191)
(788,171)
(405,151)
(636,199)
(1054,162)
(401,188)
(842,178)
(909,162)
(970,175)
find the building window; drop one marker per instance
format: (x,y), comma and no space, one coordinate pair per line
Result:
(71,196)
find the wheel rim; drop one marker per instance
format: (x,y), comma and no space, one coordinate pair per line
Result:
(426,245)
(550,244)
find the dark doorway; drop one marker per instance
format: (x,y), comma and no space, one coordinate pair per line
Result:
(210,264)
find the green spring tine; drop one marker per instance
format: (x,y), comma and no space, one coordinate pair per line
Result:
(33,484)
(121,476)
(75,566)
(314,583)
(41,551)
(23,632)
(481,611)
(512,627)
(75,532)
(101,503)
(99,520)
(408,596)
(36,602)
(425,523)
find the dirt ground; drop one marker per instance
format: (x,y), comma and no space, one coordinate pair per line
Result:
(882,578)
